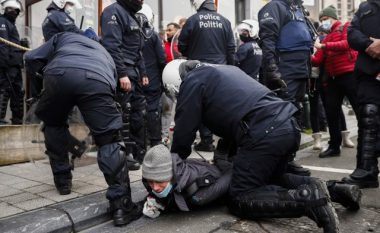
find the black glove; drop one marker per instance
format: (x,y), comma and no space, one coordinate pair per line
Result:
(273,78)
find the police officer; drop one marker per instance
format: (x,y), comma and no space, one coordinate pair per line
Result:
(155,61)
(10,64)
(286,41)
(59,19)
(236,107)
(363,36)
(122,38)
(207,36)
(249,54)
(79,71)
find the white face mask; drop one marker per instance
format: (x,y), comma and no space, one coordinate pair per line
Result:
(69,9)
(326,24)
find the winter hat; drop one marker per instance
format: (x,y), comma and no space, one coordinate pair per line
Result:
(157,164)
(329,11)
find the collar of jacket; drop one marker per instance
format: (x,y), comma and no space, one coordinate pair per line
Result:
(376,2)
(52,6)
(208,5)
(336,26)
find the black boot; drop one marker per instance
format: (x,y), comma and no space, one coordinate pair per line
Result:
(201,146)
(133,165)
(63,182)
(366,172)
(311,200)
(297,169)
(125,211)
(330,152)
(4,98)
(347,195)
(17,107)
(139,154)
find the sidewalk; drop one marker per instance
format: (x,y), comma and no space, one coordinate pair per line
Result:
(29,201)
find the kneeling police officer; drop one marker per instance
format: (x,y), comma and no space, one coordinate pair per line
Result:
(239,109)
(79,71)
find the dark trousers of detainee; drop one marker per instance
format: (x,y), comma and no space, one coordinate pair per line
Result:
(65,88)
(260,187)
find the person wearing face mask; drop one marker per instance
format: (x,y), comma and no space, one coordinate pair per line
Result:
(339,63)
(180,184)
(11,87)
(249,54)
(59,19)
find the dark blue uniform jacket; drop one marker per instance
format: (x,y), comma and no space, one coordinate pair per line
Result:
(249,56)
(9,56)
(154,56)
(57,21)
(285,39)
(365,24)
(220,96)
(207,36)
(122,38)
(70,50)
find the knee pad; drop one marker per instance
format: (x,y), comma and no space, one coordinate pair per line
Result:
(113,164)
(108,138)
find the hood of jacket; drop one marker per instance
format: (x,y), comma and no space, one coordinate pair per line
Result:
(208,5)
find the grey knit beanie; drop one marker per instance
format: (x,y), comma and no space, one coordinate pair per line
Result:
(157,164)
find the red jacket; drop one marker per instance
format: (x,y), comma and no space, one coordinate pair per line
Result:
(169,55)
(337,56)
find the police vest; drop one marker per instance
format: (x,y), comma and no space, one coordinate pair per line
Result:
(295,35)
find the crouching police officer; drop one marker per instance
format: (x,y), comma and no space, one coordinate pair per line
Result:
(177,184)
(79,71)
(238,108)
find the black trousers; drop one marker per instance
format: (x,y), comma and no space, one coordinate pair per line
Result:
(337,88)
(317,110)
(65,88)
(11,89)
(264,163)
(153,94)
(137,113)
